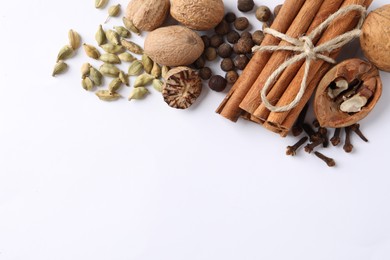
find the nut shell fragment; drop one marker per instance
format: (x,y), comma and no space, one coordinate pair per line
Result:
(350,105)
(182,87)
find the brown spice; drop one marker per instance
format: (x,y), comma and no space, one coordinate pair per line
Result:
(225,50)
(205,73)
(277,9)
(217,83)
(263,13)
(240,61)
(233,37)
(206,41)
(231,77)
(258,37)
(222,28)
(230,17)
(241,23)
(243,46)
(210,53)
(227,64)
(245,5)
(216,40)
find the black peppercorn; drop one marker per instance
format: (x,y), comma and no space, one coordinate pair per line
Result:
(205,73)
(258,37)
(217,83)
(210,53)
(230,17)
(245,5)
(216,40)
(231,77)
(243,46)
(233,37)
(222,28)
(263,13)
(206,41)
(240,61)
(241,23)
(225,50)
(227,64)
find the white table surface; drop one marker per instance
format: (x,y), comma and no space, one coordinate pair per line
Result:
(83,179)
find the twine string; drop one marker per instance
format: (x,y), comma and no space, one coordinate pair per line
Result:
(305,49)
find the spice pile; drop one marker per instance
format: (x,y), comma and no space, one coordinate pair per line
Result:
(175,61)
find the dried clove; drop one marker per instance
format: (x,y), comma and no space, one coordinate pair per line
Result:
(297,128)
(310,147)
(335,140)
(329,161)
(292,150)
(356,129)
(348,147)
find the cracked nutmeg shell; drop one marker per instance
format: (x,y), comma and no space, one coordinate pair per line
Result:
(347,93)
(182,87)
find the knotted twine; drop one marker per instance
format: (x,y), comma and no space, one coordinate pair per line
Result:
(304,45)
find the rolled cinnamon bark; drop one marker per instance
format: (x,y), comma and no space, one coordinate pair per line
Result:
(281,122)
(274,94)
(299,27)
(229,108)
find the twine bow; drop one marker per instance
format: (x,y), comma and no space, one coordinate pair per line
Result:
(306,49)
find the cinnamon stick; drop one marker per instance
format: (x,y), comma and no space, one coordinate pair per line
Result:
(274,94)
(281,122)
(299,26)
(229,108)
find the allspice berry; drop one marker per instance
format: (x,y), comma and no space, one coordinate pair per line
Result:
(277,9)
(210,53)
(263,13)
(243,46)
(241,23)
(245,5)
(227,64)
(230,17)
(231,77)
(205,73)
(222,28)
(200,62)
(258,37)
(246,35)
(206,41)
(240,61)
(233,37)
(217,83)
(216,40)
(225,50)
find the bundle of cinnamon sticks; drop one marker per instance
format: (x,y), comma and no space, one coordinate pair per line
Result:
(296,18)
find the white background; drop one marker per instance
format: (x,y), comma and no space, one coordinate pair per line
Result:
(83,179)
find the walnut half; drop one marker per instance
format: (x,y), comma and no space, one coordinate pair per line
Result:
(347,93)
(182,87)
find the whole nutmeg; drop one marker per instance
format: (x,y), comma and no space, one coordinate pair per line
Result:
(227,64)
(201,15)
(147,15)
(375,37)
(240,61)
(225,50)
(241,23)
(245,5)
(347,93)
(233,37)
(217,83)
(263,13)
(173,46)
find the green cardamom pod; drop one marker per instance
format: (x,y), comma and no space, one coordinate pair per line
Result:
(122,31)
(113,37)
(96,76)
(147,62)
(124,78)
(127,57)
(74,39)
(164,71)
(132,47)
(135,68)
(65,53)
(156,70)
(87,84)
(111,48)
(109,70)
(100,3)
(138,93)
(158,85)
(100,36)
(130,26)
(91,51)
(110,58)
(85,70)
(59,68)
(115,85)
(113,11)
(107,95)
(143,80)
